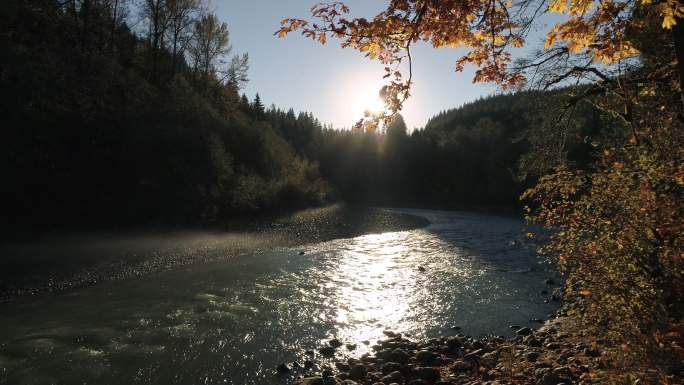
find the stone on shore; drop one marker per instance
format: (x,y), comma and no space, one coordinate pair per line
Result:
(427,373)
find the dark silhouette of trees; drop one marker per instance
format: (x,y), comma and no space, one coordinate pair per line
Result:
(210,43)
(119,128)
(257,106)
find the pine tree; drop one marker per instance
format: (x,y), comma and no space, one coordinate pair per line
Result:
(258,106)
(244,105)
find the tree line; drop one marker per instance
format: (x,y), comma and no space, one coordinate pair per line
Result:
(121,113)
(114,125)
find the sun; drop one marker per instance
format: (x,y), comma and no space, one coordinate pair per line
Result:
(367,98)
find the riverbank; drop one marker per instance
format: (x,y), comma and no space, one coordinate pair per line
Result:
(71,262)
(551,355)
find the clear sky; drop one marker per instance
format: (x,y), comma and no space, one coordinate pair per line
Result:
(335,84)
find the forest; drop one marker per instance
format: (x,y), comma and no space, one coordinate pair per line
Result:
(113,124)
(108,126)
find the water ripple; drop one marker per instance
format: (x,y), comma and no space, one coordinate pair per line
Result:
(233,322)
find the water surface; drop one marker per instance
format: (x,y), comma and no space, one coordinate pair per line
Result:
(233,322)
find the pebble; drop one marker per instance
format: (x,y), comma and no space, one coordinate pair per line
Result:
(427,373)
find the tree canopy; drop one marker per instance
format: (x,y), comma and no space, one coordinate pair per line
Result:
(611,195)
(599,34)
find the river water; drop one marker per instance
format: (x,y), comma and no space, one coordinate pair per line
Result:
(233,322)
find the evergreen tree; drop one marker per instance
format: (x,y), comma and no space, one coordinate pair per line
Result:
(258,107)
(244,105)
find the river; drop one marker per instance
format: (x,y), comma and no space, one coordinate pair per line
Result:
(233,322)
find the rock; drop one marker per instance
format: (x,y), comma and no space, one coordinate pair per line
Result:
(461,366)
(400,356)
(563,372)
(342,367)
(327,373)
(417,382)
(335,343)
(327,351)
(457,328)
(352,361)
(358,372)
(514,327)
(474,356)
(282,369)
(453,343)
(309,353)
(427,373)
(310,381)
(389,333)
(532,356)
(549,378)
(591,352)
(367,359)
(390,367)
(490,359)
(550,281)
(537,320)
(524,332)
(531,341)
(308,364)
(552,346)
(393,377)
(301,253)
(351,346)
(385,354)
(421,269)
(425,357)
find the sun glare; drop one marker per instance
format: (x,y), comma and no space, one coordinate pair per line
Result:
(367,99)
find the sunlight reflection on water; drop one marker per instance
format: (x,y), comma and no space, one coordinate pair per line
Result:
(233,322)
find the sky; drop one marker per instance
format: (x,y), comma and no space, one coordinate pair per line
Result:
(336,84)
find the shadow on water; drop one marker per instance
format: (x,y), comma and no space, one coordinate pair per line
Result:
(235,321)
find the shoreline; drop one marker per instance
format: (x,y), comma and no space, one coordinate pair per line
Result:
(69,263)
(550,355)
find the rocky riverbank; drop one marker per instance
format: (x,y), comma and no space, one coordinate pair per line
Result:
(68,262)
(551,355)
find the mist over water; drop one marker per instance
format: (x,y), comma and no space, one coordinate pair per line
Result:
(233,322)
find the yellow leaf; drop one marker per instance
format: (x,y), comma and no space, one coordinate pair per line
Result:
(558,6)
(669,21)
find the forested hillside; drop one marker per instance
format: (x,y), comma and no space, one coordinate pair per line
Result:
(112,125)
(108,125)
(478,154)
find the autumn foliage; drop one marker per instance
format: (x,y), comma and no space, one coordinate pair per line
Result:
(616,221)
